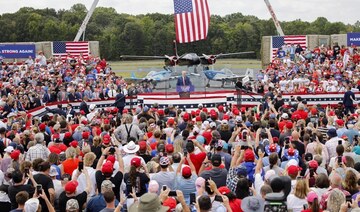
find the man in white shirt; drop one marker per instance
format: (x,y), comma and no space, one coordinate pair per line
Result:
(87,164)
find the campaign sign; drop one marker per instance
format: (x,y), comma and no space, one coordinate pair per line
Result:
(353,38)
(17,50)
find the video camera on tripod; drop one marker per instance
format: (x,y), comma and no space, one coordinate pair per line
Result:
(276,201)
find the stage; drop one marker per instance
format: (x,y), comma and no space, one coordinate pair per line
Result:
(209,99)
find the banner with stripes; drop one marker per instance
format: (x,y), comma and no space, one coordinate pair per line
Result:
(75,49)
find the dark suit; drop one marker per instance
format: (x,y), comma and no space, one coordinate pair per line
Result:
(348,102)
(71,112)
(180,81)
(120,102)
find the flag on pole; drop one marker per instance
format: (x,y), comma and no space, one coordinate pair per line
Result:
(192,18)
(280,41)
(61,49)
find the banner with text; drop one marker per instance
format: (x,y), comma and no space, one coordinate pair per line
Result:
(353,38)
(17,50)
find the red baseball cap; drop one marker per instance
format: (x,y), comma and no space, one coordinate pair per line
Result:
(107,168)
(198,118)
(115,110)
(15,154)
(142,145)
(224,190)
(249,155)
(74,143)
(221,108)
(125,111)
(293,170)
(186,117)
(197,112)
(332,113)
(236,112)
(85,135)
(340,122)
(42,127)
(243,109)
(313,111)
(161,112)
(106,121)
(136,162)
(313,164)
(170,121)
(106,139)
(84,122)
(67,135)
(71,186)
(213,115)
(56,136)
(289,125)
(111,158)
(82,112)
(169,148)
(226,117)
(186,172)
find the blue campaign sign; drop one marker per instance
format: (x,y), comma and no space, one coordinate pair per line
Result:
(17,50)
(353,38)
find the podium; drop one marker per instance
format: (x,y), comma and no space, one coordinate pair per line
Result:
(184,91)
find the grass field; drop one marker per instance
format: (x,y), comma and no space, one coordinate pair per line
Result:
(142,67)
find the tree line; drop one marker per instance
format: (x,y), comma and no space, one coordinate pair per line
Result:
(152,34)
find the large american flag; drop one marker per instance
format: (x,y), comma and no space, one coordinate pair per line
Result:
(280,41)
(61,49)
(192,19)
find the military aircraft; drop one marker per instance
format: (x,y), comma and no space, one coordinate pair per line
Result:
(155,77)
(226,75)
(188,59)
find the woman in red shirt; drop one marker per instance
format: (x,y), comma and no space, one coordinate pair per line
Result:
(71,162)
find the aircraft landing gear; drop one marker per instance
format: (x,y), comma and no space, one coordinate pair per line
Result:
(222,83)
(208,84)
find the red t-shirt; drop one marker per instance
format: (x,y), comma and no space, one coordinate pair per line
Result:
(302,114)
(70,165)
(309,210)
(235,205)
(197,160)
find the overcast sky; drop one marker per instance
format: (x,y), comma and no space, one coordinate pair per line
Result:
(286,10)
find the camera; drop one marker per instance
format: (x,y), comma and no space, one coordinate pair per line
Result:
(39,189)
(112,150)
(81,166)
(172,194)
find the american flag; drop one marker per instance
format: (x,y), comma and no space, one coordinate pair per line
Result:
(192,18)
(61,48)
(280,41)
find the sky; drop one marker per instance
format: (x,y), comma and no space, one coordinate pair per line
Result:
(286,10)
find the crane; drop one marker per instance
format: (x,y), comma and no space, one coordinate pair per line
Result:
(86,21)
(273,16)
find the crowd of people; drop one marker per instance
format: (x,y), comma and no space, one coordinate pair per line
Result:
(323,69)
(277,156)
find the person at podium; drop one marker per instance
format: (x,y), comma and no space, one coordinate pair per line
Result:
(184,86)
